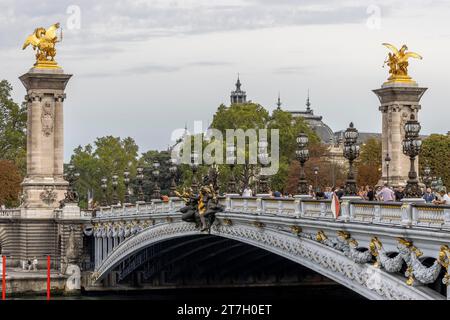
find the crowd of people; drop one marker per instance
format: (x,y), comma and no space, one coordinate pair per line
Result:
(380,193)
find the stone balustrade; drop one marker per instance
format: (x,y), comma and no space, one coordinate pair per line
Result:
(366,212)
(156,206)
(9,213)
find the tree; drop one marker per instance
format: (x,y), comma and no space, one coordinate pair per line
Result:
(369,163)
(329,173)
(13,123)
(435,154)
(110,156)
(254,116)
(289,128)
(10,188)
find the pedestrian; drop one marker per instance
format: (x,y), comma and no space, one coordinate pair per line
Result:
(247,192)
(386,194)
(444,199)
(370,194)
(399,194)
(328,193)
(340,192)
(429,196)
(277,194)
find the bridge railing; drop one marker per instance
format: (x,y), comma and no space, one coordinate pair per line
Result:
(9,213)
(385,213)
(156,206)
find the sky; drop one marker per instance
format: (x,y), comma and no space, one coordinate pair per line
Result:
(146,68)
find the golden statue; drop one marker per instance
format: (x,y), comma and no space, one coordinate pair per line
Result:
(398,63)
(44,41)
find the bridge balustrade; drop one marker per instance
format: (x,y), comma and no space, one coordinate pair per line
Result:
(429,215)
(10,213)
(383,213)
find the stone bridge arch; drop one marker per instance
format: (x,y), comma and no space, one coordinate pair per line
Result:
(364,279)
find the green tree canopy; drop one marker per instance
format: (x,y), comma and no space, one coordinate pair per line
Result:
(109,156)
(13,122)
(436,155)
(369,163)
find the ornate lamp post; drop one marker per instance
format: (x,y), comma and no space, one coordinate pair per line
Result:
(387,160)
(140,179)
(194,166)
(439,184)
(126,181)
(316,175)
(173,172)
(156,188)
(351,153)
(115,183)
(263,156)
(71,176)
(302,154)
(426,177)
(231,160)
(411,147)
(104,187)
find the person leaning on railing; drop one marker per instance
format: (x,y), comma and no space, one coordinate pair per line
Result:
(429,196)
(444,199)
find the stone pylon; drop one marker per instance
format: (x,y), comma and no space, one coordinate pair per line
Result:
(44,186)
(35,234)
(398,102)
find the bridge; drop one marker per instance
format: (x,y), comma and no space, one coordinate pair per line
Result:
(378,250)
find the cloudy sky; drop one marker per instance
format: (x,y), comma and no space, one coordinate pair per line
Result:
(145,68)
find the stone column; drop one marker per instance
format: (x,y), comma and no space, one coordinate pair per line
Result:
(58,161)
(44,186)
(398,102)
(104,248)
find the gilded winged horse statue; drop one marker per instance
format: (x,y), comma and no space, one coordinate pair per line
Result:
(398,63)
(43,41)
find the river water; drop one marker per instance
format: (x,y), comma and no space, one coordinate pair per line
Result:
(269,293)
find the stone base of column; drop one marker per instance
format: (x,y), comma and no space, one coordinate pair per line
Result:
(43,193)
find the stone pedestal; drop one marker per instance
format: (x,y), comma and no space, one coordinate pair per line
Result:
(44,186)
(35,233)
(398,102)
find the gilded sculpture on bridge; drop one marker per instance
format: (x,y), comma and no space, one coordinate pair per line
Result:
(398,63)
(43,41)
(200,208)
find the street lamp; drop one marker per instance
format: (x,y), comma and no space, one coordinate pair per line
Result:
(231,160)
(126,181)
(263,157)
(140,178)
(194,166)
(104,186)
(115,183)
(387,160)
(411,147)
(302,154)
(316,174)
(156,188)
(173,169)
(426,177)
(351,153)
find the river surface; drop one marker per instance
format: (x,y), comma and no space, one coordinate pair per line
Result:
(278,293)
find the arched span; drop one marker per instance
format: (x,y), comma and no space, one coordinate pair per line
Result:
(366,280)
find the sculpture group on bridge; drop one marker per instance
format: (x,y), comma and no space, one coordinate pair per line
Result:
(201,208)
